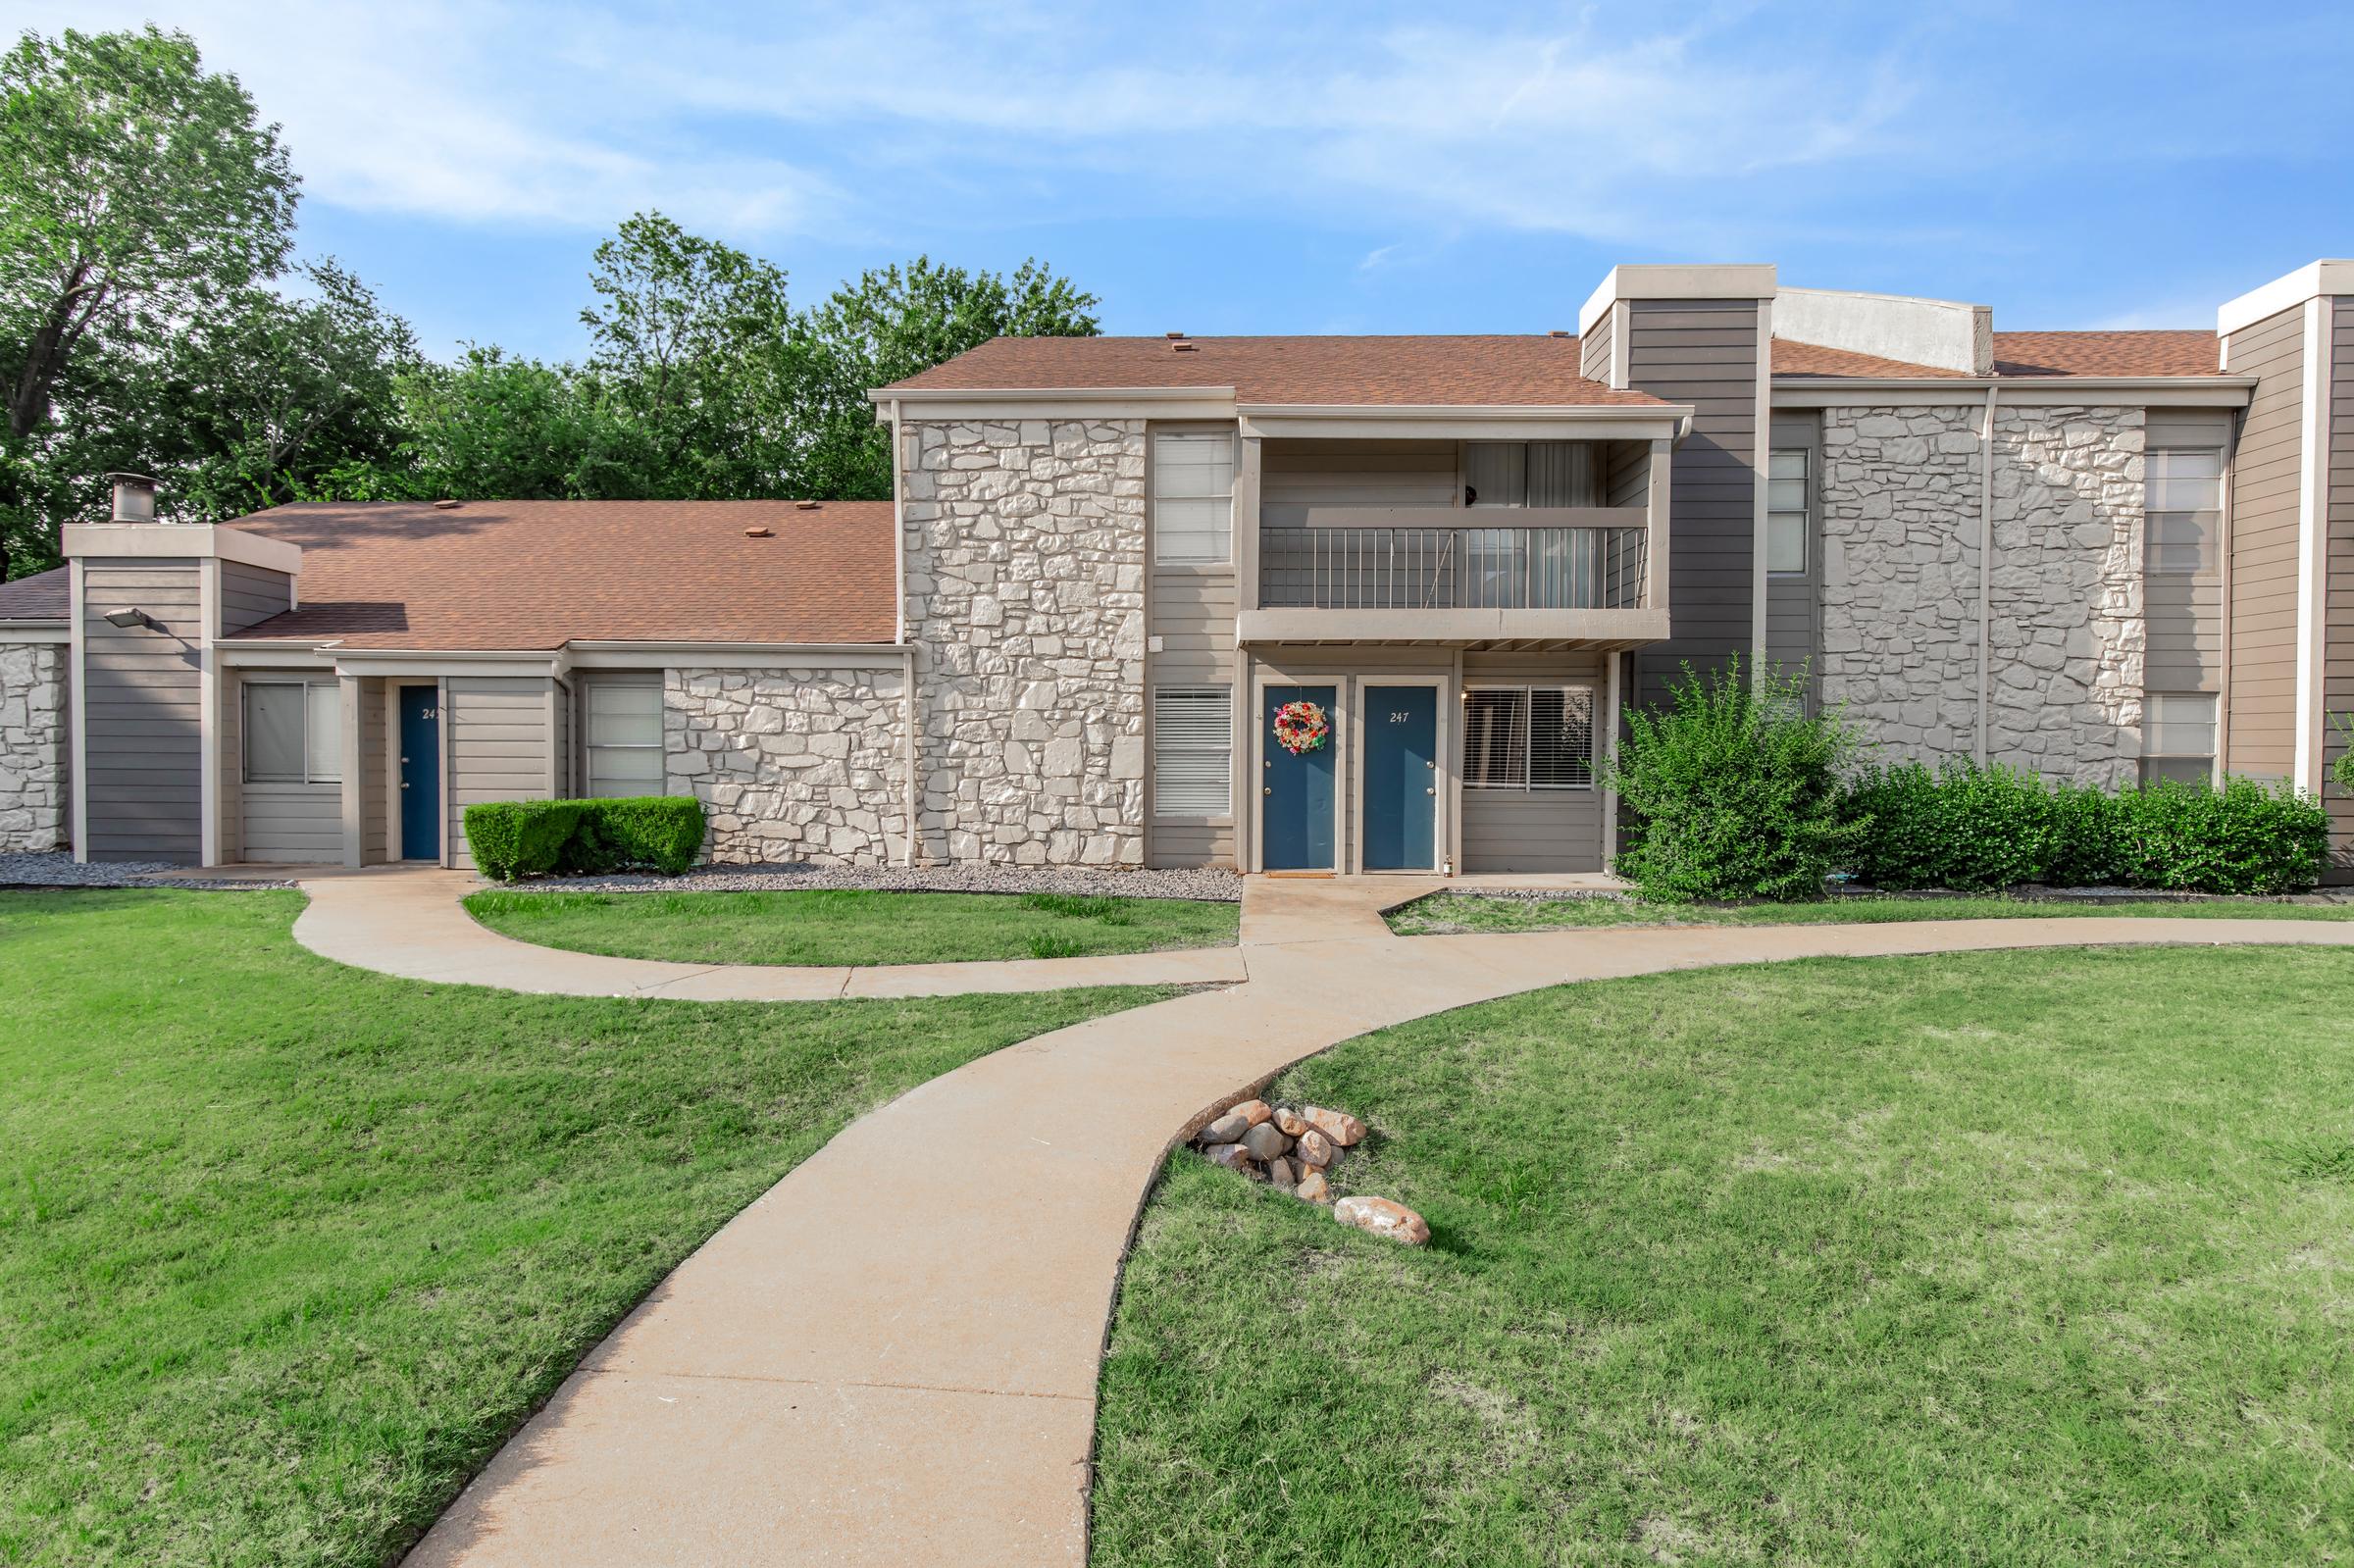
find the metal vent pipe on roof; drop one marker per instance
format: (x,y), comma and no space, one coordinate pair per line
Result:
(135,497)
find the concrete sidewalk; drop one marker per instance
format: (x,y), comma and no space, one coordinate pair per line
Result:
(891,1356)
(409,922)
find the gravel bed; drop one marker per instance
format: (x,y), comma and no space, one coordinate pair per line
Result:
(1213,885)
(55,869)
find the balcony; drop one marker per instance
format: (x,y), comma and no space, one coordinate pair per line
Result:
(1567,576)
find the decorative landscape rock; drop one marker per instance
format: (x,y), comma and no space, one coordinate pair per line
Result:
(1381,1217)
(1289,1146)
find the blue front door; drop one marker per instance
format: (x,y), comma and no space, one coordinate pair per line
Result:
(1295,799)
(1401,778)
(419,774)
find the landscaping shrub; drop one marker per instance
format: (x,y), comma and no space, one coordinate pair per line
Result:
(1734,792)
(2241,839)
(1965,826)
(2086,847)
(512,838)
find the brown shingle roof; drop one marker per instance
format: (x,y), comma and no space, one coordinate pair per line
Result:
(42,597)
(2027,354)
(512,575)
(1332,370)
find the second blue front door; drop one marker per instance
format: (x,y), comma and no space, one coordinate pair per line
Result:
(1400,737)
(1296,794)
(419,774)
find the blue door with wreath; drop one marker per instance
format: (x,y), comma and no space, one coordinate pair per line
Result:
(1296,803)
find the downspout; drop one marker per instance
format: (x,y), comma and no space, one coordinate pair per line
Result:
(1986,577)
(909,706)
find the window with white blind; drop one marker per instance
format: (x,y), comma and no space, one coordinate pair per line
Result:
(294,731)
(623,725)
(1193,497)
(1193,751)
(1528,737)
(1788,490)
(2178,737)
(2183,503)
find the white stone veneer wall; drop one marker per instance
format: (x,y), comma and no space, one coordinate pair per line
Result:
(791,764)
(34,756)
(1025,574)
(1900,623)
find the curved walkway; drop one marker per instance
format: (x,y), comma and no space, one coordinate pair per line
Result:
(891,1356)
(409,922)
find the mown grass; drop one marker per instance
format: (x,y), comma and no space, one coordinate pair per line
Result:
(287,1249)
(1446,914)
(2003,1258)
(848,925)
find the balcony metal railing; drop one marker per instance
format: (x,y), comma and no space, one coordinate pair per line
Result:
(1451,568)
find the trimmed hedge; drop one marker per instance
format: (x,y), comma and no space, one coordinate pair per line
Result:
(1978,829)
(1733,791)
(511,838)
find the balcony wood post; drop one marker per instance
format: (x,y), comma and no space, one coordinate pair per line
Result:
(1655,540)
(1249,453)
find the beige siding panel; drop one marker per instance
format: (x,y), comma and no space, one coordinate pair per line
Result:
(293,824)
(1535,831)
(2264,548)
(498,736)
(143,692)
(1594,350)
(2337,652)
(250,595)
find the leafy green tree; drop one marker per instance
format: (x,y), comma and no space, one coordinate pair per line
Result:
(138,194)
(894,322)
(691,338)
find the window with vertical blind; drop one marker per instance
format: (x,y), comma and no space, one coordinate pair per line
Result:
(1501,473)
(1193,497)
(294,731)
(2178,737)
(2183,505)
(1788,490)
(1528,737)
(621,723)
(1193,751)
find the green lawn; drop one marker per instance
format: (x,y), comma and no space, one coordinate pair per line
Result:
(2007,1258)
(852,927)
(1444,914)
(287,1249)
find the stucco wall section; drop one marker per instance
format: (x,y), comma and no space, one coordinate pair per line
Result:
(1025,583)
(1900,611)
(791,764)
(34,755)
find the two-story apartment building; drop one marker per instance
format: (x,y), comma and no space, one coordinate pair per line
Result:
(1116,574)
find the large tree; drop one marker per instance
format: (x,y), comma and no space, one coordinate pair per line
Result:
(137,192)
(892,324)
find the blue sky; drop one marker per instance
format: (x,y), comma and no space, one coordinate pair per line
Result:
(1287,168)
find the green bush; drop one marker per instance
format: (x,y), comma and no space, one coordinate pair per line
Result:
(511,838)
(1734,792)
(2086,844)
(1965,826)
(2241,839)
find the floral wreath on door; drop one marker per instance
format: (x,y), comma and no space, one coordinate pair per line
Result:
(1301,727)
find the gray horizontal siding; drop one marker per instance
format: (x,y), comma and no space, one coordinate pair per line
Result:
(249,595)
(1537,831)
(142,694)
(498,741)
(293,824)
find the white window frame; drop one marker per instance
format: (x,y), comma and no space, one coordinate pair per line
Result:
(1223,698)
(2214,723)
(2212,565)
(335,690)
(590,745)
(1804,513)
(1223,534)
(1528,741)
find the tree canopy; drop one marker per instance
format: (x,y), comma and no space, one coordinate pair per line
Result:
(151,318)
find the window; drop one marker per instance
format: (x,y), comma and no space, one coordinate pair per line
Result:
(1787,490)
(624,725)
(2177,737)
(2183,500)
(1531,474)
(294,731)
(1193,497)
(1193,751)
(1528,737)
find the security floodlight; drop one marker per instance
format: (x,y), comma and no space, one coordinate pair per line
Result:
(127,619)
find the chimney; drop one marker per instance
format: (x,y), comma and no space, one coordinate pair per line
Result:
(135,497)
